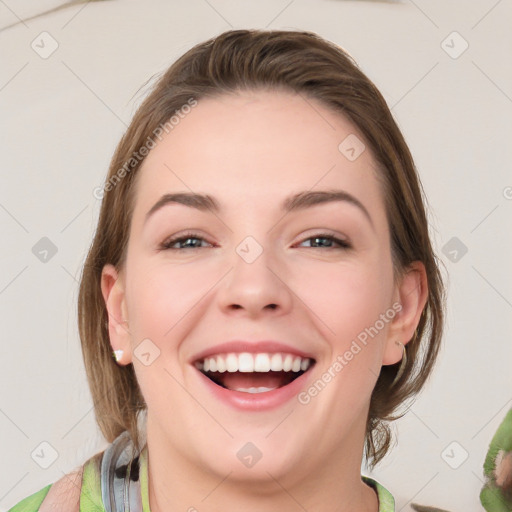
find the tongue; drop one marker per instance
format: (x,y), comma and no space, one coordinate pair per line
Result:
(240,380)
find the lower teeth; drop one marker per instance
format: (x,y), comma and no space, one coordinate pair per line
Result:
(254,390)
(274,383)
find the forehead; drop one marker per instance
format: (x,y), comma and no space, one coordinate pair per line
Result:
(260,145)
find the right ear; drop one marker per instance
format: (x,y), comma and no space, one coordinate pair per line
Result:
(112,288)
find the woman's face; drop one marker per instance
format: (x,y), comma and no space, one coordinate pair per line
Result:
(258,280)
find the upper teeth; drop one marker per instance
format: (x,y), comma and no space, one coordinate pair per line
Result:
(247,362)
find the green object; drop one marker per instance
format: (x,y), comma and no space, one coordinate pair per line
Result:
(91,501)
(386,500)
(90,494)
(32,502)
(493,497)
(423,508)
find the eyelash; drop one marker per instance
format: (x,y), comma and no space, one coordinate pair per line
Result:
(166,245)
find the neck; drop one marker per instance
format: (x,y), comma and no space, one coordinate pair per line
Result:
(226,496)
(334,485)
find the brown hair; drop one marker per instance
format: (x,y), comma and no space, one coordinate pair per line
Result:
(299,62)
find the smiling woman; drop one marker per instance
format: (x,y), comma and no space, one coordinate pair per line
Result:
(272,246)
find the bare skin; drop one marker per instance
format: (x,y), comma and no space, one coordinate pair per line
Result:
(64,494)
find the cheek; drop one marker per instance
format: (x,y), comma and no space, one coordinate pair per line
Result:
(160,296)
(349,303)
(346,298)
(163,302)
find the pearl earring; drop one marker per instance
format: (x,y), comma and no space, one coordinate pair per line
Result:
(118,354)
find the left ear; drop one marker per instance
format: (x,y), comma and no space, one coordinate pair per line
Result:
(411,294)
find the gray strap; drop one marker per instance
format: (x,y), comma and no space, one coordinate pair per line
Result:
(119,492)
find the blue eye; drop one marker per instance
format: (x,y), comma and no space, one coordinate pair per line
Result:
(324,236)
(187,237)
(168,244)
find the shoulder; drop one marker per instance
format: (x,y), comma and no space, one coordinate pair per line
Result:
(61,496)
(64,494)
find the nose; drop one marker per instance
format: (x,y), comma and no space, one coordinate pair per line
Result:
(255,287)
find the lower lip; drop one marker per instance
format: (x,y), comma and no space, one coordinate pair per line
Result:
(256,401)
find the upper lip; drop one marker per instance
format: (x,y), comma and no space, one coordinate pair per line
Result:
(253,347)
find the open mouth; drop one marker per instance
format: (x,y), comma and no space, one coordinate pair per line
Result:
(253,373)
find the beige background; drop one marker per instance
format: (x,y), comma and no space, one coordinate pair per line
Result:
(62,115)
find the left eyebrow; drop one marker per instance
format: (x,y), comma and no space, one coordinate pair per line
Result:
(299,201)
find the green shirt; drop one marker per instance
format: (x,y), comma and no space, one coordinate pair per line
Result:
(90,495)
